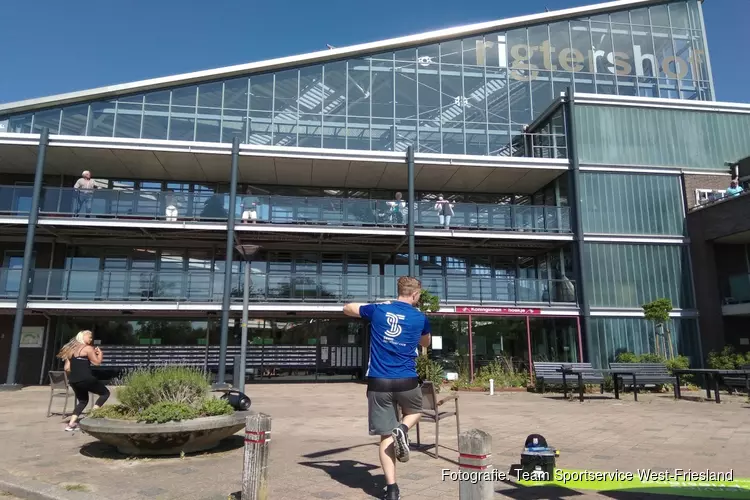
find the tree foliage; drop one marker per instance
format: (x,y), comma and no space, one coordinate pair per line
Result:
(428,302)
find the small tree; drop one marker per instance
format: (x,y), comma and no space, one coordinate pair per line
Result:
(658,313)
(428,303)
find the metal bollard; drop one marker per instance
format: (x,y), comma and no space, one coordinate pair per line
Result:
(255,470)
(474,456)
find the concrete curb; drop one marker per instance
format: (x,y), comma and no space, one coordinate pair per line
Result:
(35,490)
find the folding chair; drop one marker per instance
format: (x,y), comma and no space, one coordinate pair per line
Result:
(58,382)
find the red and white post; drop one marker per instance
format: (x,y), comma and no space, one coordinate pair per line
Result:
(476,478)
(255,470)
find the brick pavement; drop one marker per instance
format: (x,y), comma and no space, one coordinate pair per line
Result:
(321,449)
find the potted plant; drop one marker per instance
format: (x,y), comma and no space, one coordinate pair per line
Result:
(164,411)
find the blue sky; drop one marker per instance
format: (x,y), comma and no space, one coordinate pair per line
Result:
(52,47)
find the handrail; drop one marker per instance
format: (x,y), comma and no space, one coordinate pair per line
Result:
(276,209)
(206,286)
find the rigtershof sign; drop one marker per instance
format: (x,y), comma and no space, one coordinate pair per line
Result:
(574,60)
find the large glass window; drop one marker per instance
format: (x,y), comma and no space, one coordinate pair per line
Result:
(628,276)
(631,204)
(460,96)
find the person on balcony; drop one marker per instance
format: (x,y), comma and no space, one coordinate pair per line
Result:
(396,329)
(171,212)
(734,188)
(397,208)
(79,355)
(249,207)
(444,209)
(84,188)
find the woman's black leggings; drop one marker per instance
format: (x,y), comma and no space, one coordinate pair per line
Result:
(82,390)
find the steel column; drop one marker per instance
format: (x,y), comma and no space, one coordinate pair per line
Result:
(471,353)
(243,345)
(580,342)
(575,206)
(225,299)
(23,291)
(528,343)
(412,206)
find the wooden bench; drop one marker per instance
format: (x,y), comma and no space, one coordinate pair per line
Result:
(550,373)
(743,382)
(635,374)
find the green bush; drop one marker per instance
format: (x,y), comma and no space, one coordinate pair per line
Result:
(167,411)
(627,357)
(728,359)
(676,363)
(211,407)
(502,372)
(144,387)
(119,412)
(430,370)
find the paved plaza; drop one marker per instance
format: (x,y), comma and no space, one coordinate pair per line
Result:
(320,448)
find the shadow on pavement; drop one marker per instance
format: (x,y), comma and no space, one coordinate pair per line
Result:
(98,449)
(334,451)
(352,474)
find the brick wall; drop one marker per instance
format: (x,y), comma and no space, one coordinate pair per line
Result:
(692,182)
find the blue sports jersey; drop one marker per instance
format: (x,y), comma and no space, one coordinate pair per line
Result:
(395,331)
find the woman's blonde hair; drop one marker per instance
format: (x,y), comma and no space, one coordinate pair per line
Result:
(74,344)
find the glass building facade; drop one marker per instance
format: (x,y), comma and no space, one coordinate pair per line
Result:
(468,95)
(463,96)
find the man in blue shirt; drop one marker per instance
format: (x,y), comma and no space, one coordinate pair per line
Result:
(397,328)
(734,188)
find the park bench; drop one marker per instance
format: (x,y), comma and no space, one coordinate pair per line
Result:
(738,382)
(635,374)
(551,373)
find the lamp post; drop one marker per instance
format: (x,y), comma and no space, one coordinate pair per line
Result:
(247,252)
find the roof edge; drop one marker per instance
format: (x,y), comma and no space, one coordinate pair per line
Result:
(660,102)
(310,58)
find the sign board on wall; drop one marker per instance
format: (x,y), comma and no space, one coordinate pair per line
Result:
(32,336)
(499,311)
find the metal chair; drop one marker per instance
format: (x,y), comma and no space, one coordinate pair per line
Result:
(58,382)
(431,412)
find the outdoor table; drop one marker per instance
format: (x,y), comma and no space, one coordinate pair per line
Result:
(711,375)
(566,370)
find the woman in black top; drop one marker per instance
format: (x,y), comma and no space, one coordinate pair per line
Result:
(79,355)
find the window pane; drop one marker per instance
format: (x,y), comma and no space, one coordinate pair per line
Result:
(181,128)
(74,120)
(382,86)
(102,119)
(209,95)
(20,124)
(311,90)
(184,96)
(359,88)
(49,119)
(128,122)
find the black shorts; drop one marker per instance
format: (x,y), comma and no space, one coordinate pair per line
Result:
(383,400)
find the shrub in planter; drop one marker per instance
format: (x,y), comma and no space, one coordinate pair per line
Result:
(164,394)
(430,370)
(212,407)
(178,384)
(167,411)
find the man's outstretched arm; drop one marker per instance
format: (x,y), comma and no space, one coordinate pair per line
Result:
(352,309)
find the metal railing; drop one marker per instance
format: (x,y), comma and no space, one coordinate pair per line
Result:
(207,286)
(207,207)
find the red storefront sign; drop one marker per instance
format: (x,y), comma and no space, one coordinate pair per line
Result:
(506,311)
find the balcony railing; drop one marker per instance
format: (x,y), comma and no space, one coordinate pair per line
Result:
(737,289)
(206,286)
(207,207)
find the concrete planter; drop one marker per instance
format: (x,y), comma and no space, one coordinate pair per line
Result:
(172,438)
